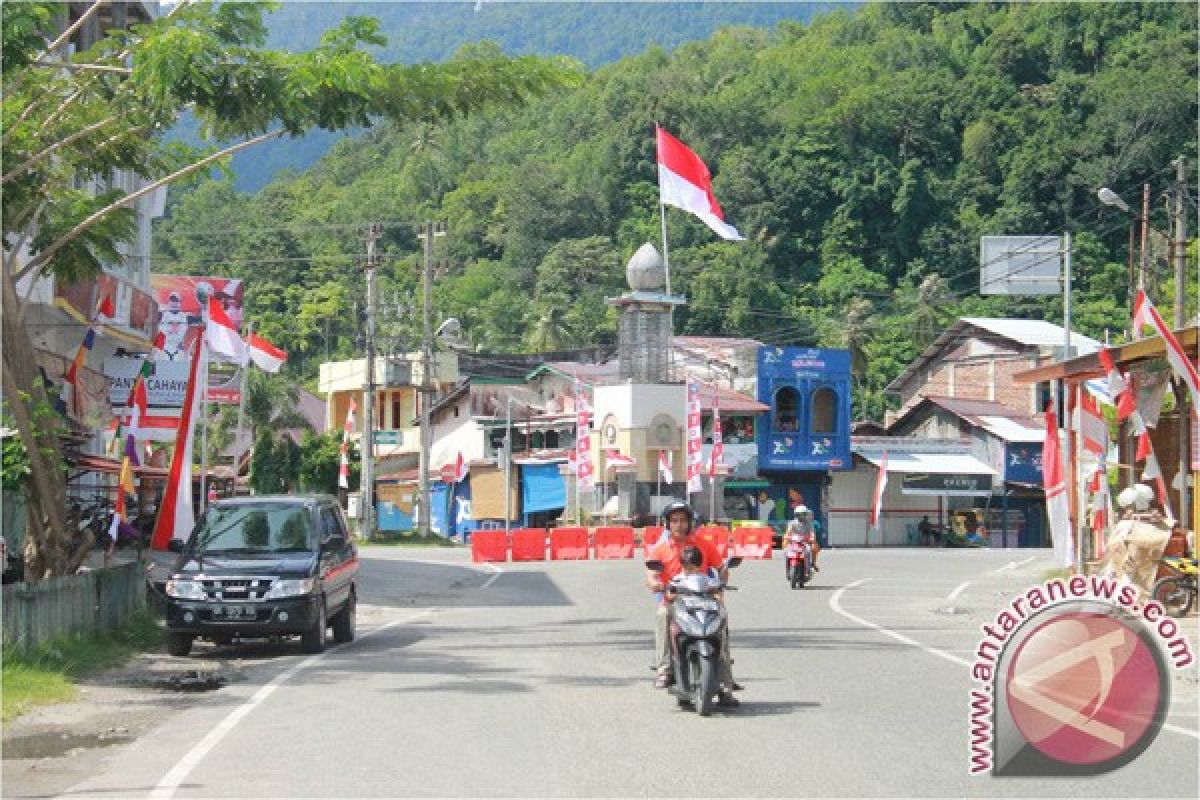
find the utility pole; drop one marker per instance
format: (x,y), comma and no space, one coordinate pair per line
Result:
(1182,399)
(1145,251)
(367,512)
(429,231)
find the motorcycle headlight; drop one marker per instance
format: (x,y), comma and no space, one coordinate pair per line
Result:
(290,588)
(186,590)
(689,624)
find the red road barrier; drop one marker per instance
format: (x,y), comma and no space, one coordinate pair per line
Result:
(614,542)
(489,546)
(529,544)
(717,535)
(568,544)
(753,542)
(650,536)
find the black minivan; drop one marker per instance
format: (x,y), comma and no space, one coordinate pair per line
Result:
(264,566)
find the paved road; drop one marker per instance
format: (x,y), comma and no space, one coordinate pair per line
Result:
(534,680)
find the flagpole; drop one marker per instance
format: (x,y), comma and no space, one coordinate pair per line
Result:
(237,442)
(203,355)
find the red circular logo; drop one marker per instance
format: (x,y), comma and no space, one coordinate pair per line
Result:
(1084,688)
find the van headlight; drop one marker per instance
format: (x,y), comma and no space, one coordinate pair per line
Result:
(290,588)
(186,590)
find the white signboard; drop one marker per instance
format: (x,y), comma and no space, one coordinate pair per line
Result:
(165,388)
(1020,265)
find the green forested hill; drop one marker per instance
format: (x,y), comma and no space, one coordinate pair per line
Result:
(863,155)
(594,33)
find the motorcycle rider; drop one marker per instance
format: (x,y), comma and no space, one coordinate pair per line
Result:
(680,523)
(802,526)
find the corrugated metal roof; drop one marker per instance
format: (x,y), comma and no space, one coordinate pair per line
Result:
(1034,332)
(1012,430)
(933,463)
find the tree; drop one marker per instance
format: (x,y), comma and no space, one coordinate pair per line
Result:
(64,127)
(320,458)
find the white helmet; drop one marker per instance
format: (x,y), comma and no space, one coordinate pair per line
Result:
(1139,496)
(801,510)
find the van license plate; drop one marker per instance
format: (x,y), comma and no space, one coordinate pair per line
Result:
(236,612)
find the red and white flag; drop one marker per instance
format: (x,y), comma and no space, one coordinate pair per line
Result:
(1093,428)
(460,468)
(665,463)
(175,518)
(1118,387)
(223,337)
(685,182)
(615,458)
(106,307)
(344,459)
(877,496)
(717,454)
(265,355)
(1056,494)
(1098,487)
(1146,315)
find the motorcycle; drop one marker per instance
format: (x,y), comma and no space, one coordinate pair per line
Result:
(1177,592)
(798,561)
(697,627)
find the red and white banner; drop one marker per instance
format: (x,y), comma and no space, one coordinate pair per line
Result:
(717,455)
(1093,428)
(175,517)
(223,337)
(585,474)
(1054,481)
(1101,503)
(1118,386)
(695,438)
(265,355)
(685,182)
(344,459)
(877,496)
(1146,315)
(460,469)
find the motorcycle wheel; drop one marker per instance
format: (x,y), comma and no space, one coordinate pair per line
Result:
(1175,594)
(704,683)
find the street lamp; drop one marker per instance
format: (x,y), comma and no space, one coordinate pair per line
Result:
(1111,198)
(508,467)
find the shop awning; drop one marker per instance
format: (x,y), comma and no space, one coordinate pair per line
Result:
(946,474)
(747,484)
(542,488)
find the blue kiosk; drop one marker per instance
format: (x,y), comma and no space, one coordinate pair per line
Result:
(806,434)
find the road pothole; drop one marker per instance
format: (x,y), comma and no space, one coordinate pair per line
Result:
(190,681)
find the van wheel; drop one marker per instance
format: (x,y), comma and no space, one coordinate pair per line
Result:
(343,621)
(313,639)
(179,644)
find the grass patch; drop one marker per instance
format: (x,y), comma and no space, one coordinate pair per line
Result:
(47,674)
(409,540)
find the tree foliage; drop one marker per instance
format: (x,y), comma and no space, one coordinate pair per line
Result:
(863,154)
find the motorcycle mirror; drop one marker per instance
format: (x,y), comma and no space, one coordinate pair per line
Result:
(736,561)
(654,565)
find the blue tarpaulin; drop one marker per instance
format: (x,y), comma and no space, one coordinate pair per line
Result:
(439,496)
(542,488)
(460,519)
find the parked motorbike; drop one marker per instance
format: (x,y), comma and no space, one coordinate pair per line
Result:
(697,627)
(798,561)
(1177,591)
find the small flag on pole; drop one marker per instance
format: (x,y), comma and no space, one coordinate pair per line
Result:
(880,485)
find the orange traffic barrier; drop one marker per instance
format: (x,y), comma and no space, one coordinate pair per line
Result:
(614,542)
(717,535)
(529,544)
(568,543)
(489,546)
(753,542)
(650,536)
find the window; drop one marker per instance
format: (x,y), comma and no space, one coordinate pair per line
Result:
(787,408)
(824,410)
(551,440)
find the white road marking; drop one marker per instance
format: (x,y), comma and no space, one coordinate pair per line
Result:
(492,579)
(169,784)
(836,605)
(958,591)
(1008,566)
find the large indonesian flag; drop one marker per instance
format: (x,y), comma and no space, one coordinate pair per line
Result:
(265,355)
(1054,481)
(175,517)
(685,182)
(1146,315)
(877,496)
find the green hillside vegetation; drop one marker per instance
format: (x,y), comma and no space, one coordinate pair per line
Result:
(863,155)
(594,33)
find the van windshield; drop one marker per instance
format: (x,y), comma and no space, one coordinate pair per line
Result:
(256,528)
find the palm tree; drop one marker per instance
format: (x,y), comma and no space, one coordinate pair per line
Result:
(931,298)
(551,331)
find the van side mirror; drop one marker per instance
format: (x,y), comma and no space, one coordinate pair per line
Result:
(175,546)
(736,561)
(654,565)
